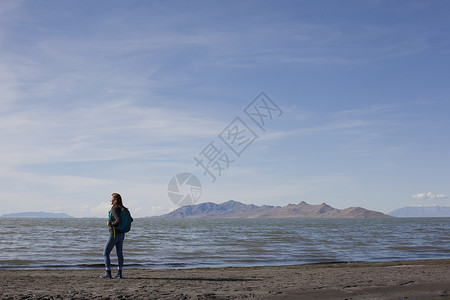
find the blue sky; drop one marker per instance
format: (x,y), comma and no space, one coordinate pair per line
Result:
(120,96)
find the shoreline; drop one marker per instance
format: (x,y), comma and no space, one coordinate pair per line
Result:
(100,266)
(424,279)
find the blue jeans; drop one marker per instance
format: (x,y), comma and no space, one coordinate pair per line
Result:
(110,243)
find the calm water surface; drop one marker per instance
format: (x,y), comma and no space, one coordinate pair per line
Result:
(188,243)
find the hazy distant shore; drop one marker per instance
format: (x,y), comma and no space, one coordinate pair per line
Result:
(383,280)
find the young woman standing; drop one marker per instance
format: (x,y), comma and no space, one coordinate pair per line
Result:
(115,238)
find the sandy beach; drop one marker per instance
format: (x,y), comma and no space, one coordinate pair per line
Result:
(427,279)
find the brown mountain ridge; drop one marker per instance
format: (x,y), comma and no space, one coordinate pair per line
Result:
(234,209)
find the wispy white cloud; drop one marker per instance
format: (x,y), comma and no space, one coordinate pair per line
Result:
(7,6)
(319,44)
(102,131)
(101,209)
(429,196)
(360,122)
(9,86)
(114,88)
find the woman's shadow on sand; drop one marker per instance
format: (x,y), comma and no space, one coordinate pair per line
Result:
(193,279)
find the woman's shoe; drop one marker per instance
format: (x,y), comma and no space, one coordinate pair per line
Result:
(107,274)
(118,274)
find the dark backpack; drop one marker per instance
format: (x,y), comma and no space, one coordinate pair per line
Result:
(125,221)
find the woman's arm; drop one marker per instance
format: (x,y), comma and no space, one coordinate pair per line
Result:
(115,217)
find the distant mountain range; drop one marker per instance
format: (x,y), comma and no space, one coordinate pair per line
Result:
(36,215)
(421,211)
(234,209)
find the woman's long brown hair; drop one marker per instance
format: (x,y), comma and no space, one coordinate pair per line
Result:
(118,203)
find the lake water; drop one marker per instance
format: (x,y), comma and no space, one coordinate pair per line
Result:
(190,243)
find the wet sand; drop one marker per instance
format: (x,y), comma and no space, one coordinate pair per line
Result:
(427,279)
